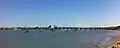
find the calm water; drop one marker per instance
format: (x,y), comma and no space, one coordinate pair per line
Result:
(56,39)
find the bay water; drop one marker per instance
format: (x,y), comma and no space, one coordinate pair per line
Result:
(54,39)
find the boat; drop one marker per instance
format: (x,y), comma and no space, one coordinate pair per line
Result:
(116,45)
(26,31)
(26,28)
(40,31)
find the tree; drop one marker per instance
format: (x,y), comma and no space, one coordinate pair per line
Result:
(55,27)
(36,27)
(19,28)
(49,26)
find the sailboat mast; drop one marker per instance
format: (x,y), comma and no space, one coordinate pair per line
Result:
(26,28)
(26,23)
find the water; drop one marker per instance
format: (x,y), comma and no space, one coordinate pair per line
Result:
(54,39)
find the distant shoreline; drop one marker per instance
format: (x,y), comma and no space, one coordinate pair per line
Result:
(61,28)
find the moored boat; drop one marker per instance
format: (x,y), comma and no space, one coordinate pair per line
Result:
(26,31)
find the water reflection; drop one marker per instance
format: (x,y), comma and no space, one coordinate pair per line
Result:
(36,36)
(67,31)
(53,35)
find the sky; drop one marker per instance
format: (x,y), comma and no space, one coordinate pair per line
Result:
(82,13)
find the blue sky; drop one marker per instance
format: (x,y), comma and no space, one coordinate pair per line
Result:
(59,12)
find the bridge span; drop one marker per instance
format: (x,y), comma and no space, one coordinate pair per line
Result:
(81,28)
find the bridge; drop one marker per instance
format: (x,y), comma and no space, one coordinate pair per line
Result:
(81,28)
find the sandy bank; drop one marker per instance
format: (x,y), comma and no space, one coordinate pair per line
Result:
(115,36)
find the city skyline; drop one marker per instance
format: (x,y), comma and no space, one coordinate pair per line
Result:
(59,12)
